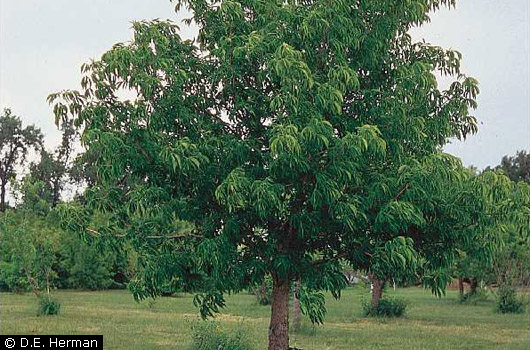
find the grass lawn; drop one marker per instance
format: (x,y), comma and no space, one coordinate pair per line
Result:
(431,323)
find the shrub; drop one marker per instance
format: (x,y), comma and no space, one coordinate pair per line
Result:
(207,335)
(387,307)
(12,278)
(49,306)
(480,295)
(508,301)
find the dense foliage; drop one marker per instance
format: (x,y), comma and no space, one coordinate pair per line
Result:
(509,301)
(15,143)
(290,135)
(387,307)
(516,167)
(36,255)
(208,335)
(49,306)
(509,265)
(27,254)
(53,167)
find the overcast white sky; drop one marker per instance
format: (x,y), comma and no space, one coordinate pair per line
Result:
(44,43)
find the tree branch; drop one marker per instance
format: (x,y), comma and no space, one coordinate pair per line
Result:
(402,192)
(95,233)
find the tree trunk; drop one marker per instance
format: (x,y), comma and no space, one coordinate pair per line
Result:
(279,325)
(3,197)
(473,286)
(297,311)
(460,287)
(377,291)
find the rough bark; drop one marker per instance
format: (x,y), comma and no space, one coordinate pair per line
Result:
(377,291)
(279,325)
(297,311)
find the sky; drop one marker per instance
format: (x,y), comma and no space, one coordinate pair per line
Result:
(43,44)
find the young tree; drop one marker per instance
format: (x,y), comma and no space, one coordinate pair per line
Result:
(15,142)
(511,268)
(29,247)
(273,136)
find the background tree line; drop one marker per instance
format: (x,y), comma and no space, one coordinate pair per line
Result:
(35,253)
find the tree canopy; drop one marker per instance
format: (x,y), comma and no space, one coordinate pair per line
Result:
(517,167)
(53,167)
(498,243)
(15,143)
(290,135)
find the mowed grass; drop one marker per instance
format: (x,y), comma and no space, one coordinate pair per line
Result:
(431,323)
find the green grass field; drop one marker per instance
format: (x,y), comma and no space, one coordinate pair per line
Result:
(431,323)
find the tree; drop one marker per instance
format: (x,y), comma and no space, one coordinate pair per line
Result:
(448,211)
(54,167)
(511,267)
(517,167)
(32,195)
(29,246)
(272,135)
(505,209)
(15,142)
(37,255)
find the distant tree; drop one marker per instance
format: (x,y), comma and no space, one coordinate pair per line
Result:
(447,213)
(32,195)
(400,229)
(15,143)
(508,212)
(517,167)
(37,255)
(508,227)
(511,265)
(296,308)
(53,168)
(283,135)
